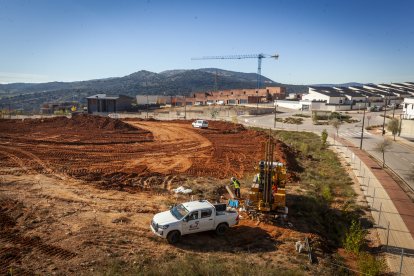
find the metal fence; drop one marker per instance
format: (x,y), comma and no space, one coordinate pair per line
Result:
(396,241)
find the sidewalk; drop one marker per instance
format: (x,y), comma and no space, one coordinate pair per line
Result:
(391,209)
(401,201)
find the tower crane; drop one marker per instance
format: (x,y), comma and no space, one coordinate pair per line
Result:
(259,61)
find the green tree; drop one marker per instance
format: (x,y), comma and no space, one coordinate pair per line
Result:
(314,118)
(383,147)
(355,238)
(393,126)
(214,113)
(336,123)
(368,118)
(324,137)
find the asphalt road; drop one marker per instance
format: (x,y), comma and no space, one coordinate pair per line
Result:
(400,156)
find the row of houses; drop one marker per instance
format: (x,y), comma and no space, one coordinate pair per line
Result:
(224,97)
(352,97)
(101,103)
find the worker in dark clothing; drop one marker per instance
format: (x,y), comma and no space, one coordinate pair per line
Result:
(236,184)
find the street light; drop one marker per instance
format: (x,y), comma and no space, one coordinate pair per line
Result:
(363,122)
(274,123)
(385,112)
(185,108)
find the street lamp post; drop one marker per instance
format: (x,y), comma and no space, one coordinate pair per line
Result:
(385,113)
(274,123)
(147,106)
(185,108)
(393,109)
(363,122)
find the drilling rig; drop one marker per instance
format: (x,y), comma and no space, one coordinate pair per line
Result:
(267,193)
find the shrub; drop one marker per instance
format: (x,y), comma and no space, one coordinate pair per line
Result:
(354,238)
(369,265)
(301,115)
(324,137)
(326,193)
(304,148)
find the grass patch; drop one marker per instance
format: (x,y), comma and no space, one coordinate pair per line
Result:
(195,264)
(290,120)
(370,265)
(301,115)
(327,206)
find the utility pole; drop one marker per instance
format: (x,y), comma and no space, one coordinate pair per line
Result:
(147,106)
(385,113)
(274,124)
(363,122)
(185,108)
(257,102)
(393,110)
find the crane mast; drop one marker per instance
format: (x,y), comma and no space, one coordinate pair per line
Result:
(259,62)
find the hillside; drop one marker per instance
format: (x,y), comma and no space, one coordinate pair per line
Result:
(30,96)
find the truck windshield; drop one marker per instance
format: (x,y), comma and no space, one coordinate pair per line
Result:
(179,211)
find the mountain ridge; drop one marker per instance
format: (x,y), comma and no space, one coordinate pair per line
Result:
(30,96)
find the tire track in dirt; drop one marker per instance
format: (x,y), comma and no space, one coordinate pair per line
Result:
(20,244)
(31,156)
(173,147)
(15,159)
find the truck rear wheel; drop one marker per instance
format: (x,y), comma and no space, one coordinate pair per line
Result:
(173,237)
(221,229)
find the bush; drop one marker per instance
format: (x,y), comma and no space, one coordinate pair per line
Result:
(355,238)
(326,193)
(369,265)
(301,115)
(324,137)
(304,148)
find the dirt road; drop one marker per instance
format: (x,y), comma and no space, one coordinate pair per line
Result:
(175,147)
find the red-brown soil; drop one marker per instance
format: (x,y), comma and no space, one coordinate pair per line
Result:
(131,156)
(63,205)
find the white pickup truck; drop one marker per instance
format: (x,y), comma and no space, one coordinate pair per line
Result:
(192,217)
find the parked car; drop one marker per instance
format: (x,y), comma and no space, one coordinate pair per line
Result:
(200,123)
(192,217)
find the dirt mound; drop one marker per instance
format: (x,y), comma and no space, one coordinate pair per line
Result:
(76,123)
(89,121)
(80,129)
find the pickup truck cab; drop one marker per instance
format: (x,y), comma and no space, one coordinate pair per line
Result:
(200,123)
(192,217)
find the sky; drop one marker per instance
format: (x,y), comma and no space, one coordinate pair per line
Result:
(317,41)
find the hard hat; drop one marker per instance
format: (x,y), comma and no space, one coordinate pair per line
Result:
(233,178)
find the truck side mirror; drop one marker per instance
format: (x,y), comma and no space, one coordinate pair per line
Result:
(185,219)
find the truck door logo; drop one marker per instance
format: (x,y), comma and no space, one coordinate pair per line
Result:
(195,225)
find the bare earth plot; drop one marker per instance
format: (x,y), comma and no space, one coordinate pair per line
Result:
(77,194)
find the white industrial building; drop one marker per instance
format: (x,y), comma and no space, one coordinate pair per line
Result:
(408,108)
(354,97)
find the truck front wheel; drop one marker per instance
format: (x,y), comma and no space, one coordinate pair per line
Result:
(221,229)
(173,237)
